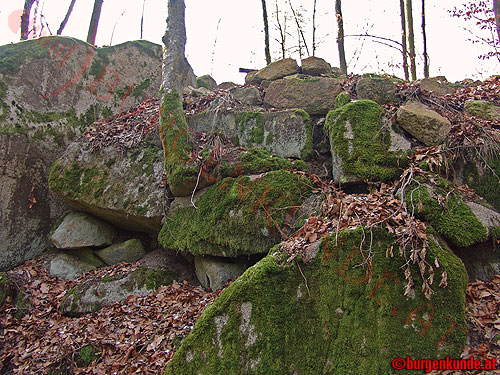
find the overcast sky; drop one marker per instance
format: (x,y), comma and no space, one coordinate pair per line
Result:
(224,35)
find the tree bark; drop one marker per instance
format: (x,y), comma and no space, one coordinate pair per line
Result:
(25,19)
(94,21)
(267,51)
(496,11)
(340,36)
(424,35)
(403,39)
(411,39)
(314,29)
(66,18)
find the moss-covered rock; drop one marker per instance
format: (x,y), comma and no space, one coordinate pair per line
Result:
(91,295)
(317,318)
(206,81)
(360,144)
(315,66)
(377,88)
(123,188)
(446,212)
(71,264)
(276,70)
(484,180)
(128,251)
(483,109)
(236,216)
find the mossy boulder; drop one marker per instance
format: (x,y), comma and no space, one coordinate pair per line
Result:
(90,296)
(426,125)
(447,212)
(315,318)
(206,81)
(79,229)
(437,85)
(214,272)
(377,88)
(315,95)
(128,251)
(276,70)
(483,109)
(71,264)
(50,89)
(315,66)
(360,144)
(484,179)
(123,188)
(237,216)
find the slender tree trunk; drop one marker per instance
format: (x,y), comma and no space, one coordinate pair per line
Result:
(267,51)
(411,39)
(94,21)
(25,19)
(496,10)
(314,29)
(282,30)
(299,28)
(142,17)
(403,39)
(340,36)
(424,35)
(66,18)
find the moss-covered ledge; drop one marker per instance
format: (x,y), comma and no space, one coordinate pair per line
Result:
(360,144)
(237,216)
(327,316)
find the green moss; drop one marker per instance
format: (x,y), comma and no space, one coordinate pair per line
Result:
(494,233)
(204,81)
(326,314)
(149,278)
(86,355)
(342,99)
(485,182)
(255,120)
(141,87)
(455,221)
(237,216)
(479,108)
(367,154)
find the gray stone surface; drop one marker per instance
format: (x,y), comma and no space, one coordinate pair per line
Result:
(128,251)
(488,217)
(379,89)
(483,109)
(284,133)
(315,66)
(50,89)
(424,124)
(276,70)
(437,85)
(247,95)
(213,272)
(79,230)
(315,95)
(206,81)
(71,264)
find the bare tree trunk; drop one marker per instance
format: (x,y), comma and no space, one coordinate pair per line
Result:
(94,21)
(403,39)
(25,19)
(411,39)
(299,27)
(340,36)
(282,30)
(267,51)
(66,18)
(496,10)
(314,28)
(142,17)
(424,35)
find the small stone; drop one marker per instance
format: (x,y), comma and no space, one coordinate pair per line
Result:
(482,109)
(315,66)
(247,95)
(438,85)
(206,81)
(213,272)
(128,251)
(69,265)
(379,89)
(277,69)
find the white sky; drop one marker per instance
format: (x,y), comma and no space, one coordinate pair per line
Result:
(224,35)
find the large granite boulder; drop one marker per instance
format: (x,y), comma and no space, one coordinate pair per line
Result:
(275,70)
(315,66)
(315,95)
(426,125)
(122,187)
(236,216)
(437,85)
(206,81)
(214,272)
(128,251)
(362,147)
(50,89)
(311,318)
(379,89)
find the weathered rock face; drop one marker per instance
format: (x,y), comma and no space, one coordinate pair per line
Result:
(124,188)
(79,230)
(284,133)
(424,124)
(327,313)
(361,145)
(379,89)
(206,81)
(214,273)
(315,66)
(50,89)
(91,296)
(438,85)
(483,109)
(237,216)
(247,95)
(276,70)
(314,95)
